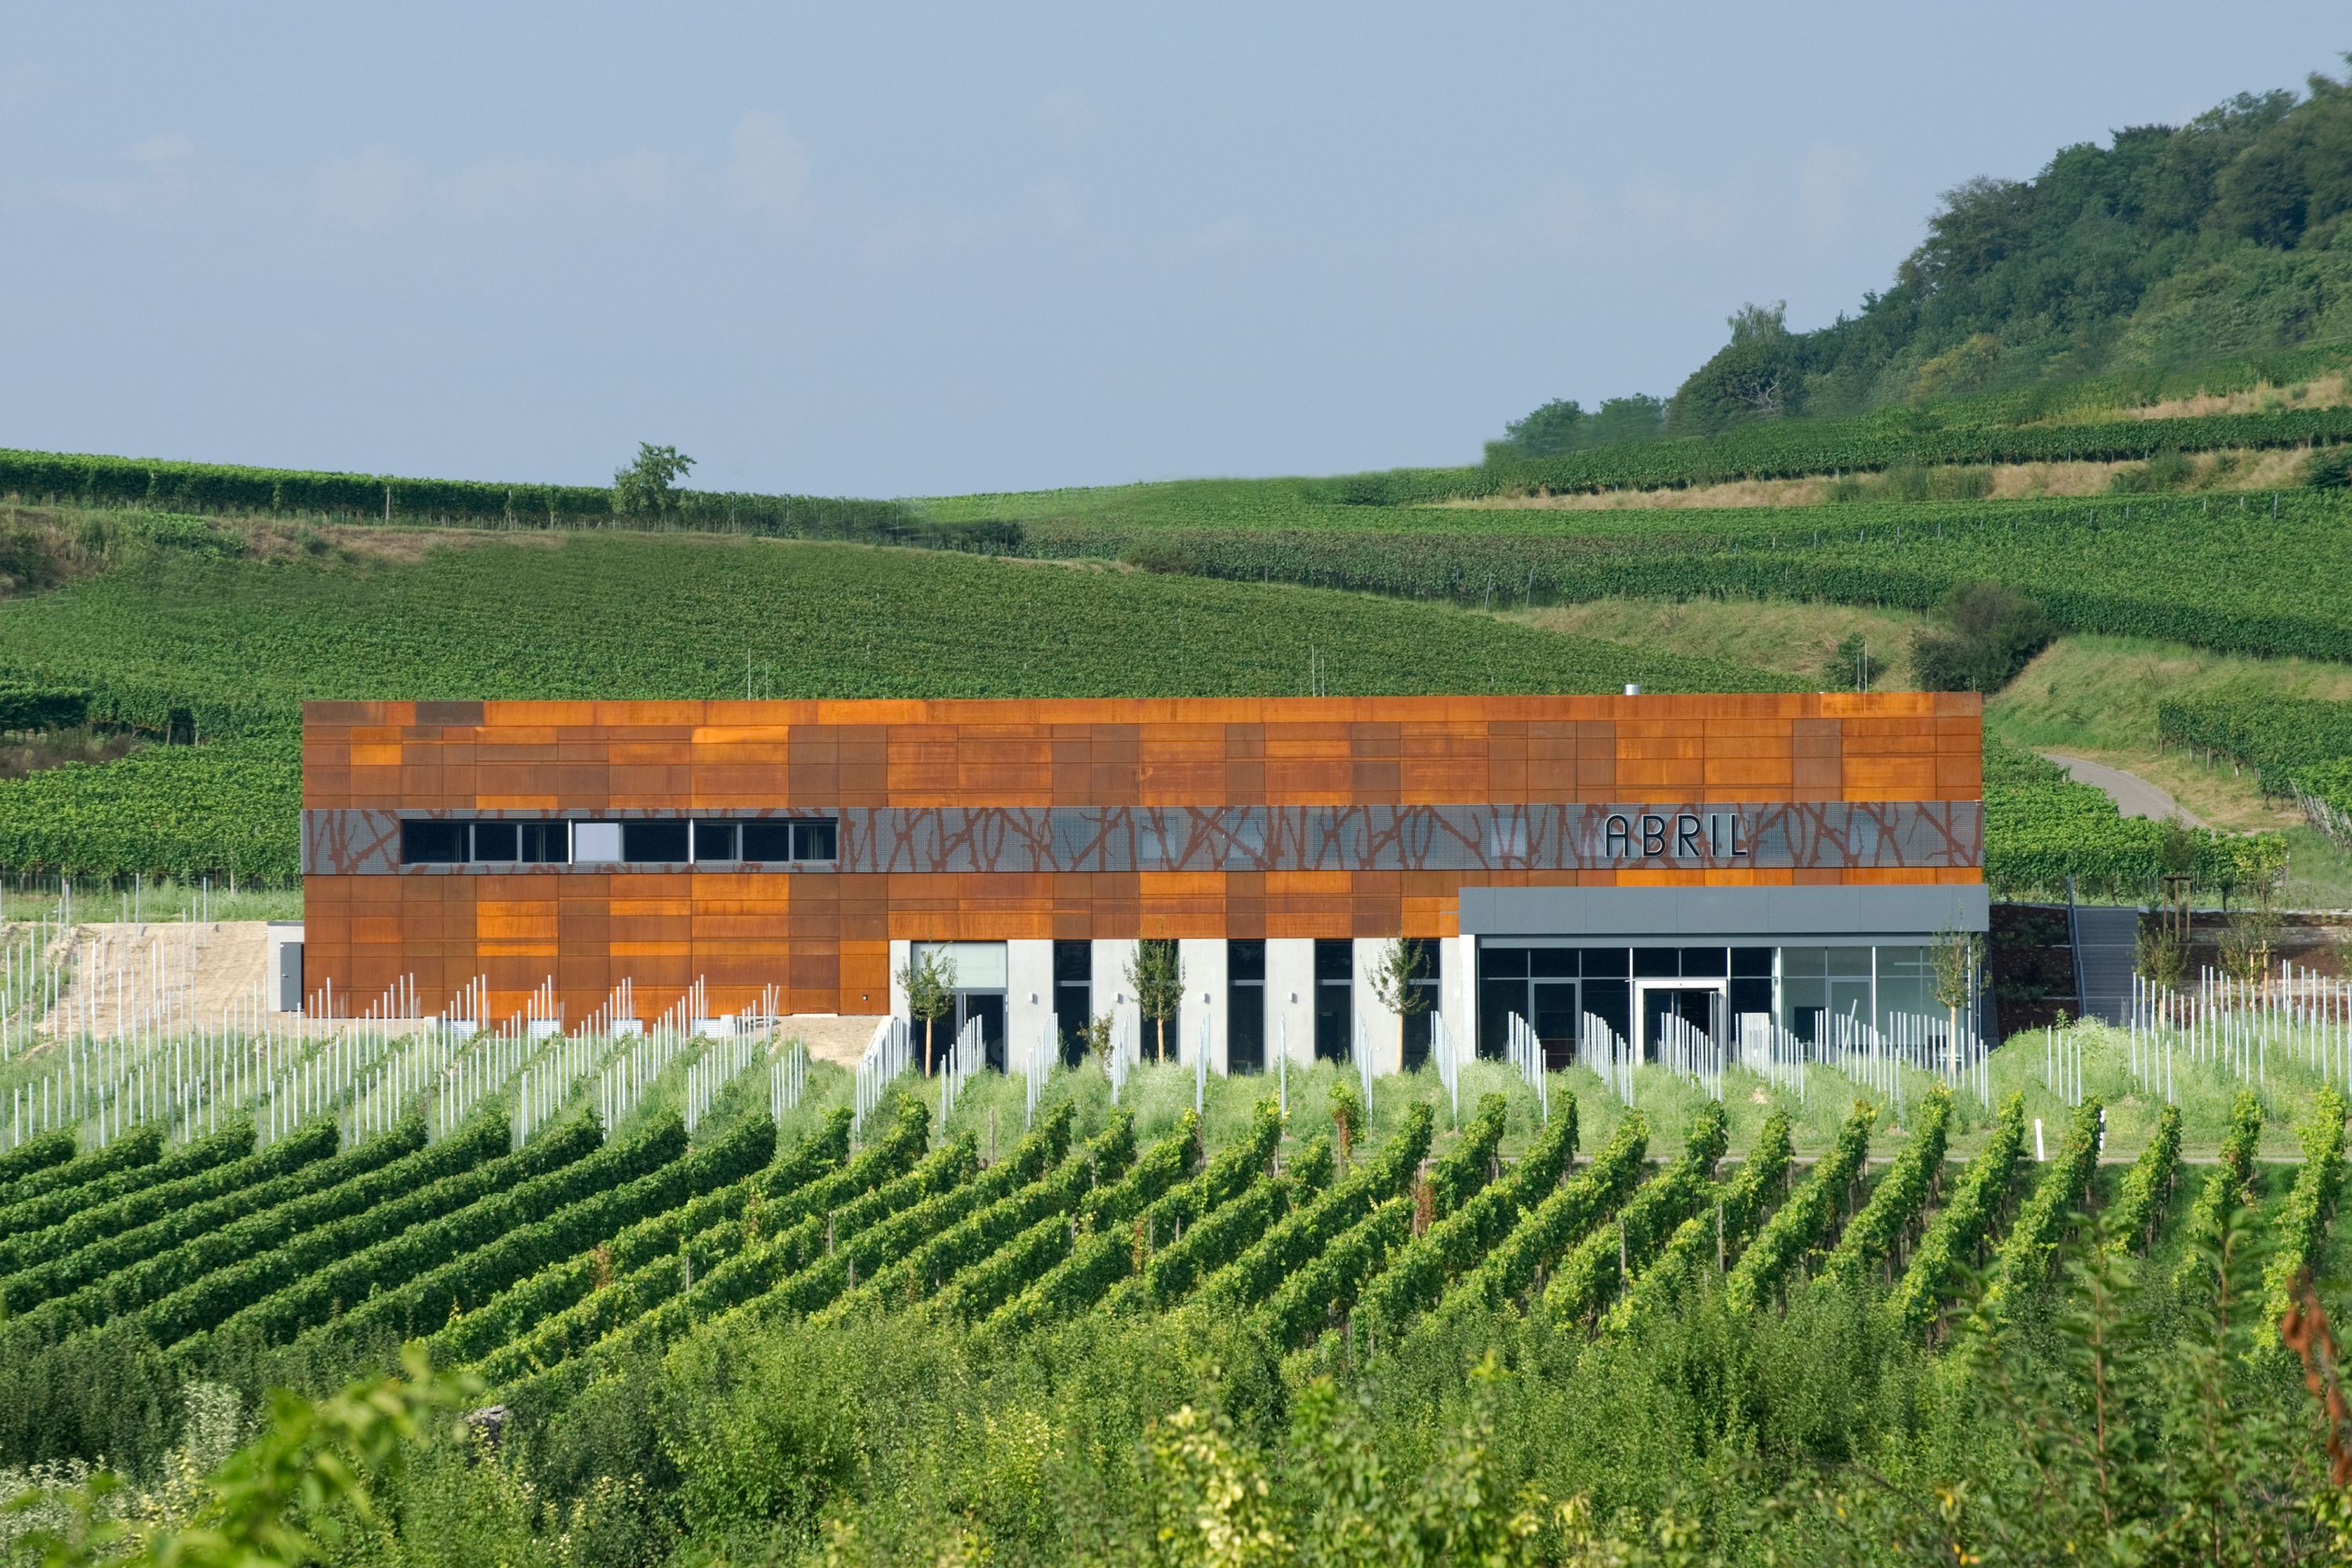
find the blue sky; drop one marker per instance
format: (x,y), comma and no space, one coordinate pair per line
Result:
(895,251)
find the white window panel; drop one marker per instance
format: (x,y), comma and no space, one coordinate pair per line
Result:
(979,965)
(596,841)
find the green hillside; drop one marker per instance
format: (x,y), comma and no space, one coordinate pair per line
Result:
(2168,246)
(223,648)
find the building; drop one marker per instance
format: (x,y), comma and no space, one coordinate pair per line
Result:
(1636,858)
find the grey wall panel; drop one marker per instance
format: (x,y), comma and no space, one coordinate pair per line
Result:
(1782,913)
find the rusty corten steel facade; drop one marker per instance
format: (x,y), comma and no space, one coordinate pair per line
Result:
(985,820)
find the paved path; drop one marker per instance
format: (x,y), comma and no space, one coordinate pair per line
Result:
(2133,795)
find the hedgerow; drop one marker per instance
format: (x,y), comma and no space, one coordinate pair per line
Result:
(430,1299)
(1416,1277)
(1325,1289)
(1294,1241)
(2231,1181)
(1797,1226)
(276,1251)
(664,1235)
(2302,1228)
(129,1243)
(396,1256)
(219,1162)
(203,1253)
(1707,1238)
(139,1147)
(1550,1227)
(1959,1232)
(2148,1186)
(2024,1262)
(40,1152)
(1596,1267)
(1872,1236)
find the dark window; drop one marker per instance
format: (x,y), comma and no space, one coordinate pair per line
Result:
(1246,1006)
(1551,961)
(546,843)
(496,841)
(1419,1025)
(1750,995)
(800,838)
(1501,961)
(1657,963)
(432,843)
(1502,990)
(767,841)
(1607,962)
(1752,961)
(718,841)
(1074,983)
(1703,963)
(659,843)
(1497,1000)
(1334,1011)
(1612,1002)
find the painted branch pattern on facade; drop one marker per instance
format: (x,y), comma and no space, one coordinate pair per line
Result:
(1698,835)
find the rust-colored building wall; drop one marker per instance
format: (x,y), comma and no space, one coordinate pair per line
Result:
(822,937)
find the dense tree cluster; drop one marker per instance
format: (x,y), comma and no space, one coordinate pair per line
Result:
(2171,244)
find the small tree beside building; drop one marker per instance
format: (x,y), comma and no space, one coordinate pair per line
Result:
(1958,954)
(1157,973)
(1396,980)
(929,984)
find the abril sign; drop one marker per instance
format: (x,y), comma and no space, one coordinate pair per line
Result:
(1680,835)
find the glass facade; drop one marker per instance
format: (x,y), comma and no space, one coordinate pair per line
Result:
(1244,1007)
(1420,1024)
(1073,986)
(1710,986)
(1335,998)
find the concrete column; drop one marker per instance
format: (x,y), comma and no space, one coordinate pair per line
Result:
(1028,998)
(1113,995)
(1290,999)
(1379,1023)
(901,952)
(1458,991)
(1203,962)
